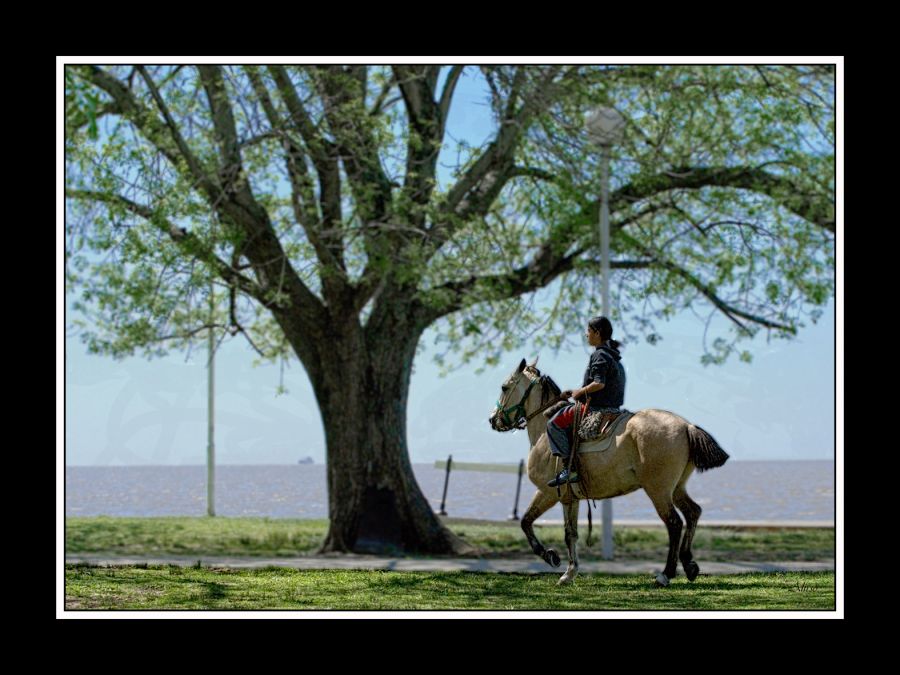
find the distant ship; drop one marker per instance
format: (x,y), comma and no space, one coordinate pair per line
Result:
(306,460)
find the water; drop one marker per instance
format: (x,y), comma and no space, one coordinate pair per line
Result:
(736,491)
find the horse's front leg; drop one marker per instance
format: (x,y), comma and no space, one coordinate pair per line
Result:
(570,512)
(540,503)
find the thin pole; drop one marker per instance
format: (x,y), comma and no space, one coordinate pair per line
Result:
(211,444)
(607,310)
(515,513)
(443,512)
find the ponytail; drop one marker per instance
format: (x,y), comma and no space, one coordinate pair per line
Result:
(603,326)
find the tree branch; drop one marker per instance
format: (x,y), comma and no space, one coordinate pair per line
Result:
(263,248)
(498,159)
(344,103)
(707,291)
(344,100)
(447,94)
(165,137)
(541,271)
(417,84)
(322,152)
(781,189)
(549,263)
(187,241)
(533,172)
(381,103)
(303,199)
(476,190)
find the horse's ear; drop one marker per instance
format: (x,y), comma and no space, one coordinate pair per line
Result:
(533,364)
(521,366)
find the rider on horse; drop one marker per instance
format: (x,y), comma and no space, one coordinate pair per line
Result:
(603,385)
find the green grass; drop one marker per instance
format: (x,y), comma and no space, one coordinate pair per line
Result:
(189,536)
(176,588)
(289,537)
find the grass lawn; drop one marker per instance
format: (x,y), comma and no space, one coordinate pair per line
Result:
(176,588)
(289,537)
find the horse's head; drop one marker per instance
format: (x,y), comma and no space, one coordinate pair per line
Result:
(510,412)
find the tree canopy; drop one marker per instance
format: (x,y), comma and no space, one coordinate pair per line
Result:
(317,186)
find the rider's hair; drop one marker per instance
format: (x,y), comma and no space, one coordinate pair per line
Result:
(603,326)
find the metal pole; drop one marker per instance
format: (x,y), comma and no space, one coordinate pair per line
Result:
(515,513)
(446,481)
(607,310)
(210,445)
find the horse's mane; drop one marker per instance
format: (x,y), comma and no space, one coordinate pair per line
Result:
(548,386)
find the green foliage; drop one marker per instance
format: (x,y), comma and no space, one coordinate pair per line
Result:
(758,243)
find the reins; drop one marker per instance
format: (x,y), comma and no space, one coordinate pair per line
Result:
(522,419)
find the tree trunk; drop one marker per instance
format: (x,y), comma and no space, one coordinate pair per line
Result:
(375,504)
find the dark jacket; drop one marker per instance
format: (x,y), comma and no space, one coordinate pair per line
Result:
(605,366)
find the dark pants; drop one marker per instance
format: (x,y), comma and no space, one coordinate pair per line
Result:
(559,428)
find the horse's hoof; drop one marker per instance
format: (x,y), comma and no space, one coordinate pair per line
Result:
(692,570)
(662,580)
(553,558)
(565,579)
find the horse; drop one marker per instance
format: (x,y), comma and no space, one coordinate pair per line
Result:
(655,450)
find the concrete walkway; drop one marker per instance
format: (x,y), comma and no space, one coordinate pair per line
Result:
(727,524)
(621,522)
(518,565)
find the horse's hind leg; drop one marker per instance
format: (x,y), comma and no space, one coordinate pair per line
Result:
(540,503)
(570,511)
(691,511)
(666,510)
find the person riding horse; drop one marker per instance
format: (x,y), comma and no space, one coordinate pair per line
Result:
(654,450)
(604,387)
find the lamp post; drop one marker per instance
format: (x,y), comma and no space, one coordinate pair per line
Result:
(211,413)
(605,127)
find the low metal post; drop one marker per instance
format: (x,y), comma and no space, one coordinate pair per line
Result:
(446,481)
(515,513)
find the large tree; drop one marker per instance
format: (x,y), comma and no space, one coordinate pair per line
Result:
(312,204)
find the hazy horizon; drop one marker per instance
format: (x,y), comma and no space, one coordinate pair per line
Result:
(314,463)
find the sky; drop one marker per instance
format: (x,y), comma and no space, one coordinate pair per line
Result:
(138,412)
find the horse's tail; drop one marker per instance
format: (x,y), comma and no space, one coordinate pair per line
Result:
(704,452)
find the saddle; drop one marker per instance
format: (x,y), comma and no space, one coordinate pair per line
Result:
(598,424)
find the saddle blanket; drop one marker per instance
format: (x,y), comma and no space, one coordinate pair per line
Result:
(602,427)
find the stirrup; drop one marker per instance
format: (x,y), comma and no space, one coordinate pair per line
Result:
(564,477)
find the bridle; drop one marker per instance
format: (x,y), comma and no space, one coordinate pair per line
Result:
(520,417)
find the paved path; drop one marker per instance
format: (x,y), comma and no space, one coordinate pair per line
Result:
(620,522)
(520,565)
